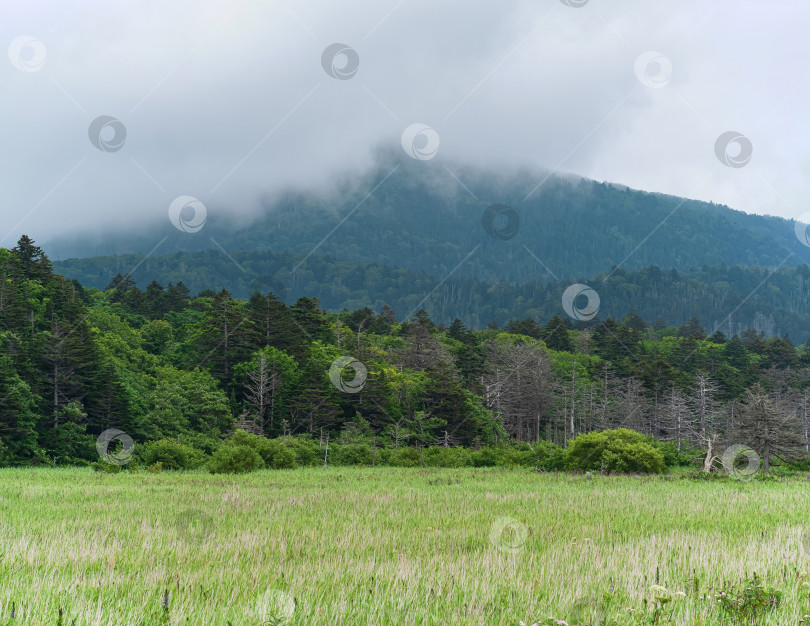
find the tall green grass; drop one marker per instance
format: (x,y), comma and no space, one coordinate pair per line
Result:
(391,546)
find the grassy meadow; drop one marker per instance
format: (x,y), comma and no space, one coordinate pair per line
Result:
(393,546)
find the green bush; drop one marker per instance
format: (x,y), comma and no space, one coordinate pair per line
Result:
(485,457)
(273,452)
(405,457)
(517,455)
(350,454)
(699,474)
(621,450)
(542,455)
(107,468)
(548,456)
(437,456)
(231,459)
(750,601)
(674,457)
(171,454)
(307,451)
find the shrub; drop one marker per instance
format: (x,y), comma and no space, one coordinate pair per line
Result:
(518,455)
(438,456)
(307,451)
(171,454)
(273,452)
(231,459)
(749,601)
(701,475)
(276,455)
(351,454)
(548,456)
(485,457)
(674,457)
(405,457)
(107,468)
(620,450)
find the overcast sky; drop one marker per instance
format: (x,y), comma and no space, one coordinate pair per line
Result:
(226,100)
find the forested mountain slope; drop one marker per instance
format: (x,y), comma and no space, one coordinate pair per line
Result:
(427,216)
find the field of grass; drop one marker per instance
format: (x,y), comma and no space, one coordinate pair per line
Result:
(392,546)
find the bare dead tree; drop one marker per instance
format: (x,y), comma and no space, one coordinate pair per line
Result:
(678,420)
(703,400)
(260,389)
(518,388)
(770,426)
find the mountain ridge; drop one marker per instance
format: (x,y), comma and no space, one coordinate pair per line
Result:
(411,234)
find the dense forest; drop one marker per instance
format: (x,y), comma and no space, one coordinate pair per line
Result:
(160,363)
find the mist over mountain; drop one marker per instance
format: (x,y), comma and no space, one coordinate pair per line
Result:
(412,236)
(406,214)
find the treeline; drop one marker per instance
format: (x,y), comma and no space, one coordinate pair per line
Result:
(161,364)
(730,298)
